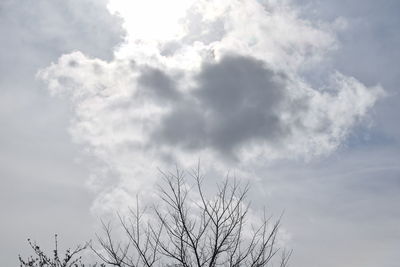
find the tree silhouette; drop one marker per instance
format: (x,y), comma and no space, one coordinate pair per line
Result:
(71,258)
(185,229)
(188,229)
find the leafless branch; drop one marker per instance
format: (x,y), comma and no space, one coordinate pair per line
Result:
(190,229)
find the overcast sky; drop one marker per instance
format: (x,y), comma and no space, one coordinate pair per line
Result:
(299,97)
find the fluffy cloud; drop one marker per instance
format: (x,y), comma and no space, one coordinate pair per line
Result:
(226,84)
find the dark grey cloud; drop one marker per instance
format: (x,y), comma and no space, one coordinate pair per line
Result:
(154,83)
(237,101)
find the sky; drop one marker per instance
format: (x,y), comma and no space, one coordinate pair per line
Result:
(299,98)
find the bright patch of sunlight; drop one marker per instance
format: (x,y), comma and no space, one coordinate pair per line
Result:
(151,20)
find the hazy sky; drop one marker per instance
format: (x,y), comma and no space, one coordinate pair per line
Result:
(299,97)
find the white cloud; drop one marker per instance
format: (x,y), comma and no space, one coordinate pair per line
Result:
(120,112)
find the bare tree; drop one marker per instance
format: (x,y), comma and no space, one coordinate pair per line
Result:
(71,258)
(188,229)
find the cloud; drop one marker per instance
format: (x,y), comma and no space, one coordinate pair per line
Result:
(232,90)
(236,108)
(236,101)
